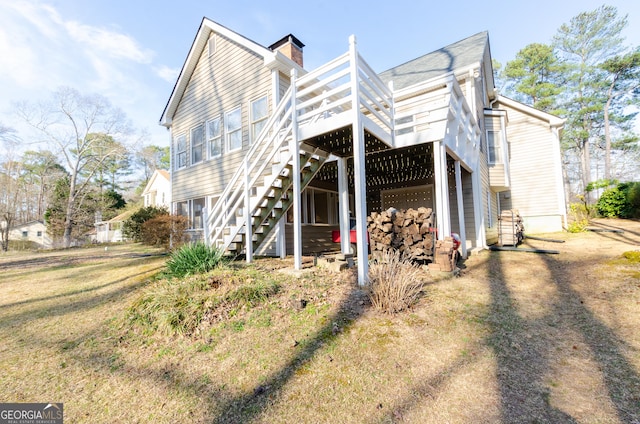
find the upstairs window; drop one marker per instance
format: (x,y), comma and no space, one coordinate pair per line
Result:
(181,151)
(197,144)
(214,137)
(259,115)
(494,143)
(233,129)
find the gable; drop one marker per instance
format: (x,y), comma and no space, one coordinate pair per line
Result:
(271,59)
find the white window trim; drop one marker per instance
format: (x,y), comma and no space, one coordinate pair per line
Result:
(220,137)
(496,143)
(252,121)
(178,152)
(228,133)
(202,144)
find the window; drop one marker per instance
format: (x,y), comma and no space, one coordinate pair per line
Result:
(233,129)
(211,44)
(39,234)
(214,137)
(181,151)
(182,208)
(259,115)
(25,234)
(494,141)
(317,207)
(198,217)
(197,144)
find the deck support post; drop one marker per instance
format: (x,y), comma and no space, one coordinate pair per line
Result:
(478,208)
(443,211)
(360,182)
(343,205)
(294,148)
(460,199)
(248,232)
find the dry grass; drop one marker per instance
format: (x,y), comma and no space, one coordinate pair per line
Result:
(517,338)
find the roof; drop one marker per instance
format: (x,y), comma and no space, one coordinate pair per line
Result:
(553,120)
(459,55)
(164,173)
(286,39)
(207,26)
(27,224)
(158,173)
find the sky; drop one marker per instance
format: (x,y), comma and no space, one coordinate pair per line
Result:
(132,51)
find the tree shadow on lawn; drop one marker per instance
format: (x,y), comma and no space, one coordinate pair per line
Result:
(621,379)
(222,407)
(67,305)
(245,408)
(522,357)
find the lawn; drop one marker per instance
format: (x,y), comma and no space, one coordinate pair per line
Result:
(517,337)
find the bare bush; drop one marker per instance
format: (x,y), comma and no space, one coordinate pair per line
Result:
(394,283)
(167,231)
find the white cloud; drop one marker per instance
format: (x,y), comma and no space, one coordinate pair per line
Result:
(111,43)
(166,73)
(40,49)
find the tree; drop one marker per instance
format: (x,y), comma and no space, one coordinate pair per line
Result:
(587,40)
(9,184)
(535,77)
(75,126)
(152,158)
(41,169)
(624,85)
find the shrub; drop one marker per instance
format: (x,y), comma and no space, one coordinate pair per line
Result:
(578,226)
(173,307)
(132,227)
(612,203)
(633,201)
(394,283)
(632,256)
(621,201)
(165,231)
(194,258)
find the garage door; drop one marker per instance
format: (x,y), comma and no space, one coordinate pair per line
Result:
(410,197)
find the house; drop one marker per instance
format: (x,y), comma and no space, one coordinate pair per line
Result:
(269,158)
(157,192)
(33,231)
(110,231)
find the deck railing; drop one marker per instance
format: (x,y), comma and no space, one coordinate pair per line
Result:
(316,98)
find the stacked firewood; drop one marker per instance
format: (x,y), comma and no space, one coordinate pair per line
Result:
(410,232)
(445,257)
(511,228)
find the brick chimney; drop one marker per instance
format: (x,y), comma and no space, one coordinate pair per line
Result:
(291,47)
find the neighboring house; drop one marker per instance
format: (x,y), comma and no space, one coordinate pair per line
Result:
(157,192)
(33,231)
(111,231)
(258,139)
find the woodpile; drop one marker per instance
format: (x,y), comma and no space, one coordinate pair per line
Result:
(410,232)
(510,228)
(445,256)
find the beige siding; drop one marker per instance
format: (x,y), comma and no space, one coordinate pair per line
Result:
(496,171)
(534,189)
(231,78)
